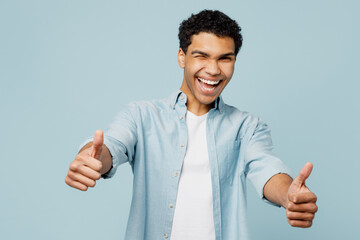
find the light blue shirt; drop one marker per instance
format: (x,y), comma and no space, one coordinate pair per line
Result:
(152,137)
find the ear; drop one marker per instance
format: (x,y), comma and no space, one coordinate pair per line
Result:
(181,58)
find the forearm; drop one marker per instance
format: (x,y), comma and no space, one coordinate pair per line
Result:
(106,158)
(276,189)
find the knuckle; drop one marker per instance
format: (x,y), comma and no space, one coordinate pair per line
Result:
(71,174)
(82,157)
(97,165)
(291,196)
(290,215)
(74,166)
(290,205)
(315,208)
(79,157)
(67,180)
(100,165)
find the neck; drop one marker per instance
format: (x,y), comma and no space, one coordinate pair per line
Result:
(192,104)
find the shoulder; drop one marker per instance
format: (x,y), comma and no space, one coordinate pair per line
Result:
(244,117)
(246,123)
(150,105)
(143,108)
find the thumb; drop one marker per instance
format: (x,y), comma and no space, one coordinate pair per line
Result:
(98,141)
(304,174)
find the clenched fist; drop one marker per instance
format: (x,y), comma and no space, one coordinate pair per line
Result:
(85,169)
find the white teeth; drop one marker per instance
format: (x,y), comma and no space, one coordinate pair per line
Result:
(209,82)
(209,89)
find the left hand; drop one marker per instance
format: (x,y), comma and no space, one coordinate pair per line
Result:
(301,202)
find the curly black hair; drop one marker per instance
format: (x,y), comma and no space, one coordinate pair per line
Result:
(210,21)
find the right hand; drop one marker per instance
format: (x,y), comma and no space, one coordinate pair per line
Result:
(85,169)
(301,206)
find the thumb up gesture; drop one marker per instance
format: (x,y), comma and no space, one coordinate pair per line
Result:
(301,204)
(85,169)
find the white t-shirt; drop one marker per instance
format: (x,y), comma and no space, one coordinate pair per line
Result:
(193,217)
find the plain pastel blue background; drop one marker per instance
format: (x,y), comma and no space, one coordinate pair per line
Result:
(66,68)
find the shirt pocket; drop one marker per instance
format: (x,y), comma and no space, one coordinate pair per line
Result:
(228,157)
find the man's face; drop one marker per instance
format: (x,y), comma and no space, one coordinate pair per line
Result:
(208,67)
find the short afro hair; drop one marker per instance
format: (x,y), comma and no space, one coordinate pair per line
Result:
(209,21)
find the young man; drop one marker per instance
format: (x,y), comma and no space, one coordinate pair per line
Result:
(191,154)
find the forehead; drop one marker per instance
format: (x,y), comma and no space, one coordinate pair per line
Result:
(210,43)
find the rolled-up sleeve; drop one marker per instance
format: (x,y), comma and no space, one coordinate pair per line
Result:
(120,138)
(260,162)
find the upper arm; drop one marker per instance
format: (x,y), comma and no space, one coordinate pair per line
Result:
(121,137)
(261,163)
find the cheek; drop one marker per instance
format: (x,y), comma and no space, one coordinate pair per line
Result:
(192,66)
(228,70)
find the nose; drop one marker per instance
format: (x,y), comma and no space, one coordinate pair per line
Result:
(212,68)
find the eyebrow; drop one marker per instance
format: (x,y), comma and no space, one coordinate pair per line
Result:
(227,54)
(205,54)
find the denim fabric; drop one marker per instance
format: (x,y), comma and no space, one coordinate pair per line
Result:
(152,137)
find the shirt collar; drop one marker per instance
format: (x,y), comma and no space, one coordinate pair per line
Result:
(178,94)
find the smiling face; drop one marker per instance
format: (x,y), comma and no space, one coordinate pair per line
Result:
(208,67)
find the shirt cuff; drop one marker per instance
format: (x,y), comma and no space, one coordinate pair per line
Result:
(118,157)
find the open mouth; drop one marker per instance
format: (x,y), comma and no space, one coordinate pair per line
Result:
(208,86)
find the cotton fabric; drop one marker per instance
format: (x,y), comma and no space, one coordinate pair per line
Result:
(152,137)
(193,216)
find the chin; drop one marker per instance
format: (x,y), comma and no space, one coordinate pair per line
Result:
(207,100)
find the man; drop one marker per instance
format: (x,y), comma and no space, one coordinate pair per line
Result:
(191,154)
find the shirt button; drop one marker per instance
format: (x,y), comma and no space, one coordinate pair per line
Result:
(182,97)
(181,117)
(182,145)
(175,174)
(171,206)
(165,235)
